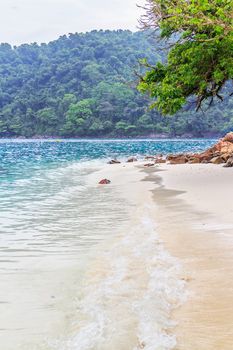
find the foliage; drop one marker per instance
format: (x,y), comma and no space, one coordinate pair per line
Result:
(83,85)
(200,62)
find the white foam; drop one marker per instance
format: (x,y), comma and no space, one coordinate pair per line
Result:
(127,301)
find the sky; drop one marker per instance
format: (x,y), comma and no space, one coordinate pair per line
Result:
(27,21)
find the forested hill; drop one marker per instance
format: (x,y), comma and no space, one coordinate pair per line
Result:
(83,85)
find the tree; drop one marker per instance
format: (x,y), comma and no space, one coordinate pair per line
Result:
(200,61)
(78,117)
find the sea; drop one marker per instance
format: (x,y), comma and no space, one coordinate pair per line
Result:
(74,275)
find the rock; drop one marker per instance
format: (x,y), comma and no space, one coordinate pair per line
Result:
(114,161)
(160,160)
(228,137)
(206,156)
(177,159)
(173,156)
(104,182)
(221,152)
(226,156)
(217,160)
(223,147)
(194,160)
(180,160)
(149,165)
(132,159)
(229,163)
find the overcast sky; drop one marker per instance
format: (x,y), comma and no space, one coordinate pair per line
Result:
(26,21)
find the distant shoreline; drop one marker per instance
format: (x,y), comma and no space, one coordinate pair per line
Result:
(148,137)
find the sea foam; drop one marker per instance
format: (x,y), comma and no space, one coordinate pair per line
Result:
(129,294)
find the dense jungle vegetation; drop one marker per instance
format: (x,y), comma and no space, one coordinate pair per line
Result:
(84,85)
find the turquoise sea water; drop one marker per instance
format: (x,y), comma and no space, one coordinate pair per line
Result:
(21,159)
(43,190)
(50,219)
(43,193)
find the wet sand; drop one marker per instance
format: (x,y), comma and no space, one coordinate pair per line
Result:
(195,216)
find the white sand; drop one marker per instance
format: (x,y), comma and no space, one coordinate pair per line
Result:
(208,188)
(194,207)
(197,227)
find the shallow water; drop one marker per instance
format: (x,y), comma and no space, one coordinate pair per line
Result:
(70,267)
(25,158)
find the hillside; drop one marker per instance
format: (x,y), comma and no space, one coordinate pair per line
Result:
(84,85)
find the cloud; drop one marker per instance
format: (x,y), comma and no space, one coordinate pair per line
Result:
(44,20)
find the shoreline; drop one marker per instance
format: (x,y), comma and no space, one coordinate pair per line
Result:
(193,217)
(195,223)
(148,283)
(137,138)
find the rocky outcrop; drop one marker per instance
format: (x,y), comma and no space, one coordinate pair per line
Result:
(220,153)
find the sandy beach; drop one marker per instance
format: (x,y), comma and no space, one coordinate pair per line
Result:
(193,214)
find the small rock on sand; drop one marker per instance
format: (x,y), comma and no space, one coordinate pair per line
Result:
(114,161)
(104,182)
(149,165)
(132,159)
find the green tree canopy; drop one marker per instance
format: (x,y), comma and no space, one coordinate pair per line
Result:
(200,61)
(84,85)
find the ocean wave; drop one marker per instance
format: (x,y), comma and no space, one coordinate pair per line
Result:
(129,293)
